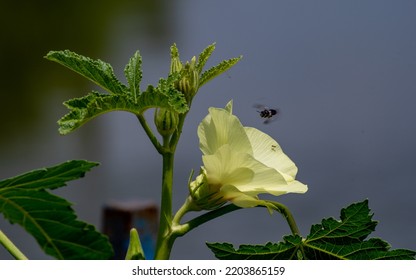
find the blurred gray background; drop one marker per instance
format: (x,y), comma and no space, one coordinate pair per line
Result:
(343,74)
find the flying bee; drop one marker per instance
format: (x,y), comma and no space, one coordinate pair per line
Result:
(266,113)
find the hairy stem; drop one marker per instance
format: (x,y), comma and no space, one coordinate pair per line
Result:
(185,208)
(163,245)
(188,226)
(175,137)
(149,133)
(195,222)
(282,209)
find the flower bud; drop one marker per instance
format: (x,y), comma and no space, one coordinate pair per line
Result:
(166,121)
(204,195)
(189,83)
(175,65)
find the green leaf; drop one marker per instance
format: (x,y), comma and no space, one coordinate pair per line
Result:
(286,250)
(85,108)
(355,225)
(97,71)
(203,57)
(133,73)
(90,106)
(175,98)
(24,200)
(217,70)
(130,99)
(345,239)
(332,239)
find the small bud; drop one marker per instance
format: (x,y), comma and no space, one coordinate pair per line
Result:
(175,65)
(189,83)
(194,79)
(166,121)
(185,87)
(193,63)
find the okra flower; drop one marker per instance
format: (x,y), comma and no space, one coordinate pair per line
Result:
(239,164)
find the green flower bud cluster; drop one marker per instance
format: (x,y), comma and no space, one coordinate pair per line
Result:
(188,83)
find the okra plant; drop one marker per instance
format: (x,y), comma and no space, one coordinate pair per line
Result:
(239,163)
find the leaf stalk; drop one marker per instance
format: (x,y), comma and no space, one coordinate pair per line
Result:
(11,248)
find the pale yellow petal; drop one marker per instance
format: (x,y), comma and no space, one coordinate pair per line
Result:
(243,200)
(237,197)
(227,166)
(220,128)
(269,152)
(266,179)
